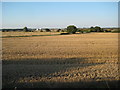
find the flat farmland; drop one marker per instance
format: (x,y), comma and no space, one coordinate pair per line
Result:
(76,60)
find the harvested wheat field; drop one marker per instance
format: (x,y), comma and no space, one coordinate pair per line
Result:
(77,61)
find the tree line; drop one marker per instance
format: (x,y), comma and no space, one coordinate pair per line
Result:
(71,29)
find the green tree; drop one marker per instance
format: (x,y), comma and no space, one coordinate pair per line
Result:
(98,29)
(71,29)
(92,29)
(78,30)
(25,29)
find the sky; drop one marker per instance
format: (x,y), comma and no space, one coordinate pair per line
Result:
(59,14)
(60,0)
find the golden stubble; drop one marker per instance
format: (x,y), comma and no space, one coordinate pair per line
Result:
(68,58)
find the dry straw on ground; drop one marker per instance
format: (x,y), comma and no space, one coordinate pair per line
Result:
(80,60)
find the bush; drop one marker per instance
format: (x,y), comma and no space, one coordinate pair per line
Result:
(87,31)
(116,31)
(25,29)
(92,29)
(41,30)
(58,30)
(96,29)
(71,29)
(64,33)
(47,30)
(107,30)
(78,30)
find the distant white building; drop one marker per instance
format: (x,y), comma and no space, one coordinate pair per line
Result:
(38,29)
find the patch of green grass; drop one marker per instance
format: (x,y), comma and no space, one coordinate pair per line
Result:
(117,31)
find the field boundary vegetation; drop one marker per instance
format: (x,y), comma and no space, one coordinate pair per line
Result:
(71,29)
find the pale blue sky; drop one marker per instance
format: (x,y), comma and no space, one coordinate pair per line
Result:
(59,14)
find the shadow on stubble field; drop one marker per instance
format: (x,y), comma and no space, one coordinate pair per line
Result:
(70,61)
(49,73)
